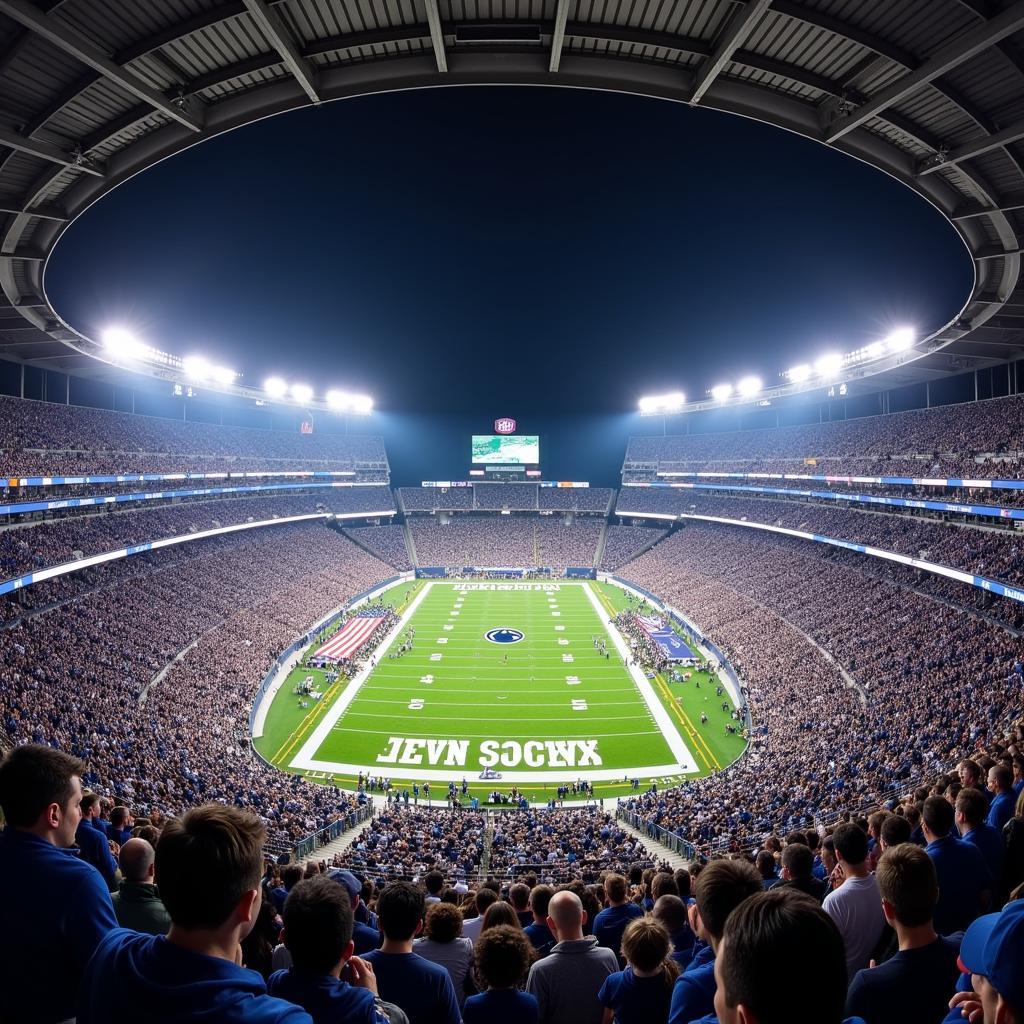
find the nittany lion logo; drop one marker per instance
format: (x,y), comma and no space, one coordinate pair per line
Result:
(504,635)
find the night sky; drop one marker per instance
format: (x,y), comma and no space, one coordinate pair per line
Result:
(462,254)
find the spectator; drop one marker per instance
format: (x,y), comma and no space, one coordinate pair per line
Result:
(93,844)
(503,960)
(421,988)
(641,994)
(483,898)
(290,877)
(56,909)
(443,944)
(993,953)
(500,912)
(913,986)
(773,936)
(137,903)
(895,830)
(610,924)
(1000,785)
(1013,838)
(434,882)
(670,912)
(798,872)
(720,888)
(208,868)
(364,937)
(964,882)
(566,982)
(519,897)
(318,934)
(121,825)
(765,864)
(538,933)
(971,812)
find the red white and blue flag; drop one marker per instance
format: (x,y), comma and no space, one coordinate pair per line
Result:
(650,623)
(349,638)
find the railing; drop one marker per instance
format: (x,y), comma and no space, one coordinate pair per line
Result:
(306,846)
(676,843)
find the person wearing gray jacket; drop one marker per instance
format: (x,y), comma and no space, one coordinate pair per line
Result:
(567,980)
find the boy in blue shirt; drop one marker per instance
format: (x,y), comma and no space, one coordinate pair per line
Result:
(611,922)
(209,864)
(318,928)
(503,958)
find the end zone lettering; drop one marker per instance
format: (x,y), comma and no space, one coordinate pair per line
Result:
(492,753)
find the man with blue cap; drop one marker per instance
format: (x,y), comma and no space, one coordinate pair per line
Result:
(993,954)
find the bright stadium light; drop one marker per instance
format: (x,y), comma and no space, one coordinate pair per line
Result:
(123,344)
(196,367)
(749,386)
(302,393)
(362,404)
(799,373)
(660,405)
(829,364)
(275,387)
(224,375)
(901,339)
(721,392)
(875,349)
(337,400)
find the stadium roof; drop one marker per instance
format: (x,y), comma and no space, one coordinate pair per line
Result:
(930,91)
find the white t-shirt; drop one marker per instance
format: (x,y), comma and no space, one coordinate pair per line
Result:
(856,908)
(471,928)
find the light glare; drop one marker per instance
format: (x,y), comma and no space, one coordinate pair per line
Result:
(799,373)
(302,393)
(901,339)
(749,386)
(829,365)
(721,392)
(275,387)
(196,367)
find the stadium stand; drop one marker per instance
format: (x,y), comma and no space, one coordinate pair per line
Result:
(625,542)
(575,499)
(515,497)
(433,499)
(386,542)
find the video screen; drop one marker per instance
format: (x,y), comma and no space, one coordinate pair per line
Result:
(506,449)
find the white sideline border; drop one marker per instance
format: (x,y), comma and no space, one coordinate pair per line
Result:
(686,765)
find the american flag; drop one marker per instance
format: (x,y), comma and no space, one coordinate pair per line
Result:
(349,638)
(650,623)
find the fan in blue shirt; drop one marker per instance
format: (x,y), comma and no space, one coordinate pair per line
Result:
(209,865)
(641,994)
(611,922)
(964,882)
(318,927)
(971,811)
(503,959)
(56,908)
(1000,785)
(422,989)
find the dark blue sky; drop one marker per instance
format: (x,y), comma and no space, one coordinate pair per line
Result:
(461,254)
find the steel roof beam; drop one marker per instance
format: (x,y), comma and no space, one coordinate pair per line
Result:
(29,255)
(64,39)
(949,57)
(970,150)
(558,35)
(43,212)
(1006,203)
(743,23)
(44,151)
(436,34)
(277,35)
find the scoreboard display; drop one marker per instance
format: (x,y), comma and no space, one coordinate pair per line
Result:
(506,449)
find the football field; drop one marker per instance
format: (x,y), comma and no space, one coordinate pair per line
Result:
(504,682)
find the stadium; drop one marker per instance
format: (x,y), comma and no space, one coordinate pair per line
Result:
(301,731)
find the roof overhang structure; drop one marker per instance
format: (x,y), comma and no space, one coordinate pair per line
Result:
(931,92)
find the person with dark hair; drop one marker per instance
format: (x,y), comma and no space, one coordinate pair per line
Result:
(290,877)
(318,934)
(895,829)
(964,882)
(364,936)
(641,994)
(855,905)
(484,897)
(92,843)
(538,933)
(1000,785)
(670,912)
(443,943)
(503,959)
(764,939)
(433,881)
(611,922)
(913,986)
(798,872)
(56,908)
(1013,840)
(519,897)
(422,989)
(500,912)
(970,814)
(720,888)
(137,903)
(765,864)
(209,864)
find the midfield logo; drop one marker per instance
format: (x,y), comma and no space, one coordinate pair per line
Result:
(504,635)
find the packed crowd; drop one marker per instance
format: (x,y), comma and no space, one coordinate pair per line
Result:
(930,681)
(40,438)
(432,499)
(579,499)
(623,543)
(386,542)
(508,495)
(511,496)
(82,673)
(508,541)
(643,649)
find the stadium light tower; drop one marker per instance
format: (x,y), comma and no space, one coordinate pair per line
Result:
(721,392)
(339,401)
(122,344)
(275,387)
(302,393)
(196,367)
(828,365)
(799,374)
(749,386)
(362,404)
(900,340)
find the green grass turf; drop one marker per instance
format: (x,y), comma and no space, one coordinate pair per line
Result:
(462,701)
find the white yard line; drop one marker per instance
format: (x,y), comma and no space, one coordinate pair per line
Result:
(675,742)
(304,757)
